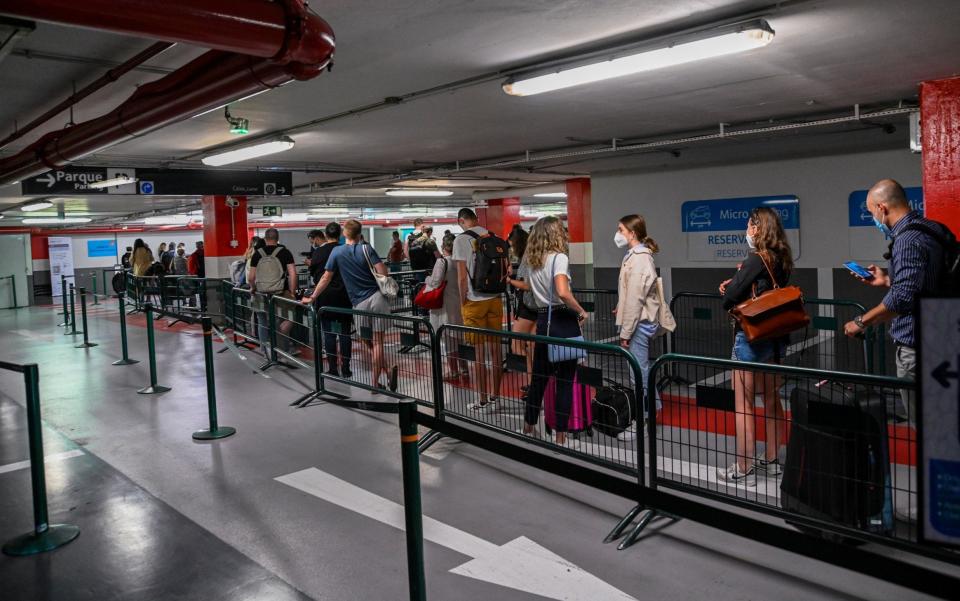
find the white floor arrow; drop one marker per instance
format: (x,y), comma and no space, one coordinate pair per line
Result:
(519,564)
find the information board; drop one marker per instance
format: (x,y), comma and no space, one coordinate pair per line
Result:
(101,248)
(61,263)
(939,381)
(716,229)
(866,241)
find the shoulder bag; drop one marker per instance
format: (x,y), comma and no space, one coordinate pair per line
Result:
(388,286)
(773,314)
(433,299)
(558,352)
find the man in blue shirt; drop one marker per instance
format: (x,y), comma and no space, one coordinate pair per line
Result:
(916,262)
(356,261)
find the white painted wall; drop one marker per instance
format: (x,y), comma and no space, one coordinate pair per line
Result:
(822,184)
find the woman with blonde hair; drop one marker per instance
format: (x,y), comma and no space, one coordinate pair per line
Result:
(638,303)
(559,315)
(142,258)
(767,265)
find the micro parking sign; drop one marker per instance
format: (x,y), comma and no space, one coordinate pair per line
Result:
(866,243)
(716,229)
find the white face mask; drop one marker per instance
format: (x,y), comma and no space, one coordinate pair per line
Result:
(751,242)
(620,240)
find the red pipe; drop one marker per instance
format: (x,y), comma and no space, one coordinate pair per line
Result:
(107,78)
(284,31)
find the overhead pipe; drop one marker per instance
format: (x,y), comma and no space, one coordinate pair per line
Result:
(206,83)
(106,79)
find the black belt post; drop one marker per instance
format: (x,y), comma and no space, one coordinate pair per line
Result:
(215,430)
(73,314)
(412,510)
(153,388)
(83,312)
(63,294)
(126,360)
(94,282)
(45,536)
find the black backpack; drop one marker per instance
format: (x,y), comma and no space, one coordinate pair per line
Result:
(610,408)
(490,261)
(949,281)
(419,254)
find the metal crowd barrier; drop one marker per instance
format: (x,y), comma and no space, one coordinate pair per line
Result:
(842,466)
(240,316)
(407,281)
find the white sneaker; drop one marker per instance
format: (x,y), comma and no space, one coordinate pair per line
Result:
(630,433)
(488,407)
(733,475)
(771,468)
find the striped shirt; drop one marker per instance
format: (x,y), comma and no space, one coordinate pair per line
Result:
(915,265)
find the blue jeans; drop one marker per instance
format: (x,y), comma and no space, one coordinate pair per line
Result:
(755,352)
(640,348)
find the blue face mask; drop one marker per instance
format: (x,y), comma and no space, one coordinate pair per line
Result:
(882,227)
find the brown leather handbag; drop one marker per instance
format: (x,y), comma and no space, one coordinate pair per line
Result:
(773,314)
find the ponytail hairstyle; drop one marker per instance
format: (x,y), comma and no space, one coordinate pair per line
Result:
(637,225)
(771,240)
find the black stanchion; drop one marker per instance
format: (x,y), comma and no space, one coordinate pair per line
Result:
(73,314)
(153,388)
(412,511)
(83,312)
(126,360)
(63,304)
(215,430)
(45,536)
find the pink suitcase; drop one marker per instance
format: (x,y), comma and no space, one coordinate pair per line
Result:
(580,413)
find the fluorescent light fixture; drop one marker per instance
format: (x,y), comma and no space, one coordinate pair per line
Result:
(36,206)
(551,195)
(170,219)
(710,43)
(54,220)
(113,181)
(784,201)
(419,193)
(248,152)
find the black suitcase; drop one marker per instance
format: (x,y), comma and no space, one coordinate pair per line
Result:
(837,466)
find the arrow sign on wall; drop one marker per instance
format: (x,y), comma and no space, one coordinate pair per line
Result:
(520,564)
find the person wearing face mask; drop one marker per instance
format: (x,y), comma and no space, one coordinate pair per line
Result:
(638,301)
(916,263)
(767,265)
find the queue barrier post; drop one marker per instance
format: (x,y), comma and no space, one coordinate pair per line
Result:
(83,312)
(63,303)
(412,509)
(94,282)
(125,360)
(45,536)
(73,314)
(153,388)
(215,430)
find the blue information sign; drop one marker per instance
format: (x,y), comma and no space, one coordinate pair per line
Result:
(860,216)
(716,228)
(101,248)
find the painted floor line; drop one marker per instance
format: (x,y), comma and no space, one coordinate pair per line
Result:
(20,465)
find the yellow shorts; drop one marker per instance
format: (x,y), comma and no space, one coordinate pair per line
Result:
(486,314)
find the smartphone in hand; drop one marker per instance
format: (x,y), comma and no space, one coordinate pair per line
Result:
(858,270)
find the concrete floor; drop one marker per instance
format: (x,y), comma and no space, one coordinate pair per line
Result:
(224,515)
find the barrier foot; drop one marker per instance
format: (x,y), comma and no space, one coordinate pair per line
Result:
(215,433)
(637,530)
(154,389)
(617,531)
(428,440)
(56,535)
(125,362)
(268,365)
(85,345)
(320,395)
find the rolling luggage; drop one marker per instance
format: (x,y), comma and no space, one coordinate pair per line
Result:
(837,465)
(611,409)
(580,419)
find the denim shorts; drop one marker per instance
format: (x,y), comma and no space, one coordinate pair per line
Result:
(754,352)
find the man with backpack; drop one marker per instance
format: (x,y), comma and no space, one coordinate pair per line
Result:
(413,247)
(923,260)
(272,271)
(482,262)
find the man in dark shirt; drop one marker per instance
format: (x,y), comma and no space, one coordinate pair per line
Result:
(335,295)
(272,247)
(201,268)
(916,262)
(314,262)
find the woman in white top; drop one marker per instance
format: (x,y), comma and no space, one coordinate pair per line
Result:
(549,281)
(638,302)
(449,313)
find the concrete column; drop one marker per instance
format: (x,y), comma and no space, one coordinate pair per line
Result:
(224,231)
(501,215)
(580,225)
(940,124)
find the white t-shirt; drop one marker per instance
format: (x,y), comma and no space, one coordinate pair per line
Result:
(463,250)
(541,280)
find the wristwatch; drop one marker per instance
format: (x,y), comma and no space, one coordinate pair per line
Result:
(858,321)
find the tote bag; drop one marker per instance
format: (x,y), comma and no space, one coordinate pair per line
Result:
(557,352)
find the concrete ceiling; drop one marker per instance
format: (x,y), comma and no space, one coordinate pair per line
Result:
(827,56)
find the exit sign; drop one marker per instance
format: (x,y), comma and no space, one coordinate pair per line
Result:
(273,211)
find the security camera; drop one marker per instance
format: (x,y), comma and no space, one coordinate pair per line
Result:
(232,202)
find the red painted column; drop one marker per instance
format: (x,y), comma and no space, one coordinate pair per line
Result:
(224,232)
(580,226)
(501,215)
(940,126)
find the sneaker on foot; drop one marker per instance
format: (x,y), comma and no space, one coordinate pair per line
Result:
(771,467)
(733,475)
(630,433)
(483,407)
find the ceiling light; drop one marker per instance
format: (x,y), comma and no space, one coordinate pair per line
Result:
(170,219)
(551,195)
(420,193)
(113,181)
(55,220)
(248,152)
(36,206)
(715,42)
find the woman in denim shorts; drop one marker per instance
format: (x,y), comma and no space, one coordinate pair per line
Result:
(769,258)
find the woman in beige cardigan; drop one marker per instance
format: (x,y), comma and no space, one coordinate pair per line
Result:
(638,301)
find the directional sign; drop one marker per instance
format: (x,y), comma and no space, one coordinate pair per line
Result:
(178,182)
(272,211)
(939,380)
(520,564)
